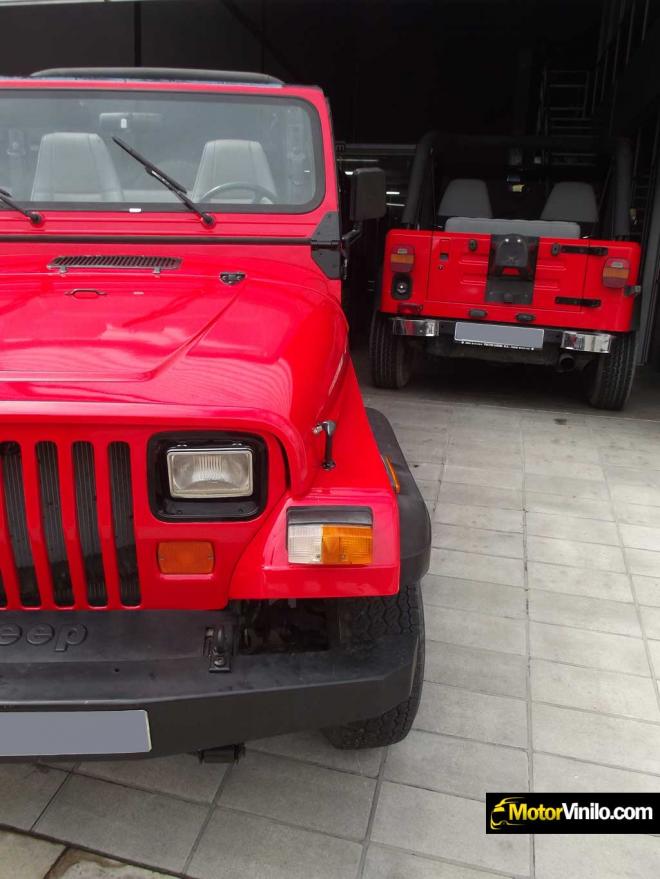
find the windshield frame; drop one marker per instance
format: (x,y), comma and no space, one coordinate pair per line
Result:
(135,208)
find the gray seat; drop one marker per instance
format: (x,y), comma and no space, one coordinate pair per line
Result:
(535,228)
(573,201)
(75,166)
(233,161)
(465,197)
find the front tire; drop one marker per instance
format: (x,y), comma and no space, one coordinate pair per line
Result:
(369,619)
(391,356)
(609,379)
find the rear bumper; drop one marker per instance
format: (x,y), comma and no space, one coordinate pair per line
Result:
(158,662)
(569,340)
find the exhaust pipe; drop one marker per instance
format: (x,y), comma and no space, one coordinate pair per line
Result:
(566,363)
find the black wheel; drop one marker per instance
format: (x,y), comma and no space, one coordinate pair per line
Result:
(391,356)
(372,618)
(609,378)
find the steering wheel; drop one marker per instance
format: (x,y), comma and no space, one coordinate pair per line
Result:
(258,191)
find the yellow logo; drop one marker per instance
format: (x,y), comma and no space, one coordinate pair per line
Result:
(514,812)
(502,808)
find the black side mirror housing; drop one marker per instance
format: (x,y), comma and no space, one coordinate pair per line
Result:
(368,198)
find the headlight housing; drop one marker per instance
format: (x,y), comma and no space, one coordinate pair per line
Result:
(211,472)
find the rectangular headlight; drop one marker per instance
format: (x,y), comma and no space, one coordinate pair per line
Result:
(210,473)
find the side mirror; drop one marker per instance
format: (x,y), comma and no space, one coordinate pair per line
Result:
(368,196)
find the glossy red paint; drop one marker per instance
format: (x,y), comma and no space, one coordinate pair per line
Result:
(449,279)
(183,351)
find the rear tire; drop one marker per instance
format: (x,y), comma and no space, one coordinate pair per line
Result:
(391,356)
(609,379)
(370,619)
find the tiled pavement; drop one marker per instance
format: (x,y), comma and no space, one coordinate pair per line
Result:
(543,626)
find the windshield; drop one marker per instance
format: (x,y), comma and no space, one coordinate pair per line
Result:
(231,153)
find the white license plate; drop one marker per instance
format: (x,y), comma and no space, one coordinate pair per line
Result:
(64,733)
(498,335)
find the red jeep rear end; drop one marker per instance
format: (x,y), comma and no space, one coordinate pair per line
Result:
(532,262)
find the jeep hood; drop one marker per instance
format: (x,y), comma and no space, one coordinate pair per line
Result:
(264,349)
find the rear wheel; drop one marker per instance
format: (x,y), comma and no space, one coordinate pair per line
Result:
(369,619)
(391,356)
(609,378)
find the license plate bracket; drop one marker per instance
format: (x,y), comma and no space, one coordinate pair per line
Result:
(499,336)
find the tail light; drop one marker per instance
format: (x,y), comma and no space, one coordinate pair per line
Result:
(402,260)
(616,272)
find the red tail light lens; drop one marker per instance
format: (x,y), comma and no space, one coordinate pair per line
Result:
(616,272)
(402,259)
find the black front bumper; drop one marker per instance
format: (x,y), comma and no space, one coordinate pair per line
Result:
(158,662)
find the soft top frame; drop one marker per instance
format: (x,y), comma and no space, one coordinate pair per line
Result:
(169,74)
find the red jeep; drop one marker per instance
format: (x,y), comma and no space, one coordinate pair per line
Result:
(530,261)
(204,537)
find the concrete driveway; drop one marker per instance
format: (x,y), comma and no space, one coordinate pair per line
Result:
(543,620)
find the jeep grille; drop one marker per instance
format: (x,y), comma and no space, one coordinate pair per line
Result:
(66,518)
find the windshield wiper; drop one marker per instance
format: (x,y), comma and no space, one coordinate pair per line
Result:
(33,216)
(179,191)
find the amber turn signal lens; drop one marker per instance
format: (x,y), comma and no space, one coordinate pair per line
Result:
(346,545)
(186,557)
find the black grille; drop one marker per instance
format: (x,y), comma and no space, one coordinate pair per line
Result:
(112,261)
(122,519)
(12,475)
(51,516)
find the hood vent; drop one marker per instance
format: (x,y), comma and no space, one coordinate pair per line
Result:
(155,264)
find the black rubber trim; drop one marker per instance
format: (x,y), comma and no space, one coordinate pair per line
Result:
(157,661)
(330,515)
(414,519)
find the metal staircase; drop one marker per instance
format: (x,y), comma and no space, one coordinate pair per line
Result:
(565,110)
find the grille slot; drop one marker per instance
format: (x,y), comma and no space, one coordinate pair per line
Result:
(113,261)
(12,474)
(88,525)
(119,457)
(51,517)
(3,594)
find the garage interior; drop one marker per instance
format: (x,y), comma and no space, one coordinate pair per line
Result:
(543,601)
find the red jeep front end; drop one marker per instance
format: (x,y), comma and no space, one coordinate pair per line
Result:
(535,265)
(194,504)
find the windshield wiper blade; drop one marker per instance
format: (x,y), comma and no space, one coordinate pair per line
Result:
(33,216)
(167,181)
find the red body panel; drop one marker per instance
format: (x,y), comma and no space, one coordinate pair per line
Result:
(449,279)
(181,351)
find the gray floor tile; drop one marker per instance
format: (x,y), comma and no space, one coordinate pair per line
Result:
(636,494)
(182,776)
(597,857)
(75,864)
(560,466)
(388,863)
(651,621)
(238,845)
(599,738)
(455,766)
(640,537)
(579,581)
(569,527)
(425,471)
(478,716)
(594,689)
(587,613)
(629,458)
(558,505)
(492,478)
(450,827)
(552,773)
(638,514)
(136,825)
(471,516)
(471,566)
(480,496)
(632,476)
(474,669)
(647,590)
(23,857)
(592,649)
(462,455)
(466,539)
(311,796)
(566,486)
(644,562)
(488,598)
(428,489)
(31,786)
(460,435)
(654,649)
(571,450)
(313,747)
(475,629)
(572,552)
